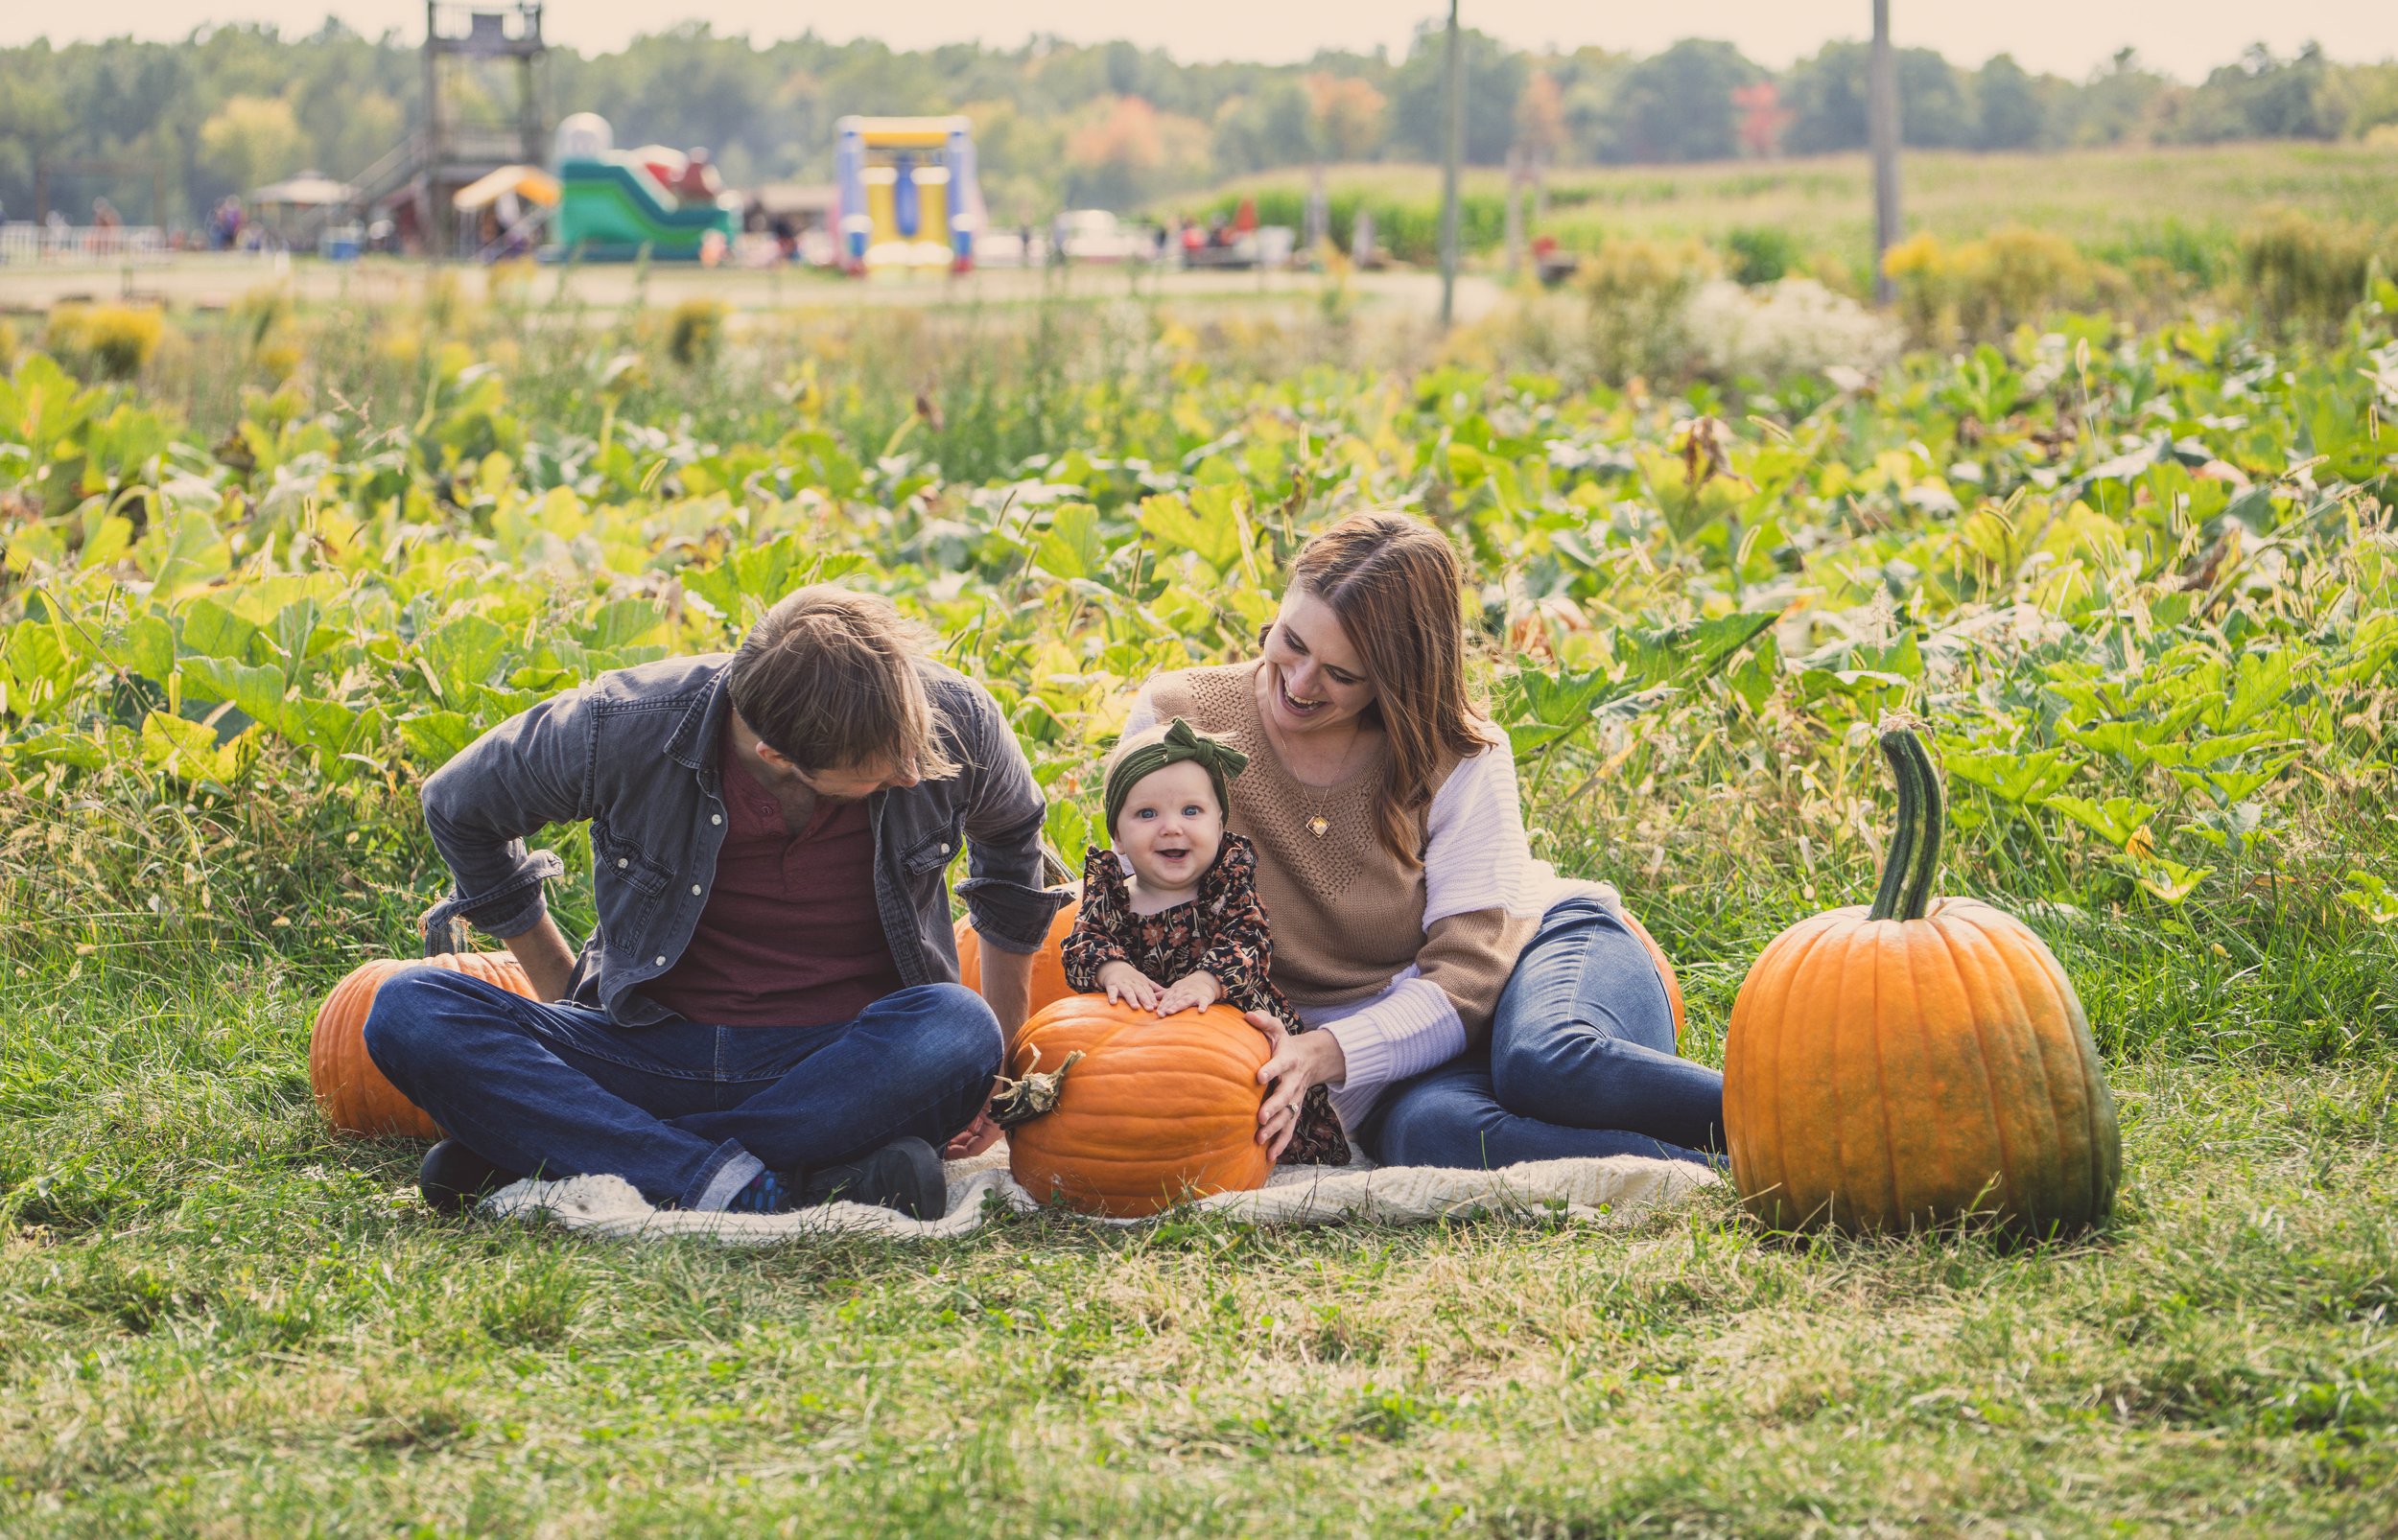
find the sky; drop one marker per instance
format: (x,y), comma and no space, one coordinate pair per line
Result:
(2182,38)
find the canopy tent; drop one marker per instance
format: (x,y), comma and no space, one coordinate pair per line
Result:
(529,183)
(307,190)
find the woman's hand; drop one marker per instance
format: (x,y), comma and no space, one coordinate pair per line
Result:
(1300,1061)
(1130,985)
(1194,990)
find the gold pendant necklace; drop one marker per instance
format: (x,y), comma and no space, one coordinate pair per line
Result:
(1315,823)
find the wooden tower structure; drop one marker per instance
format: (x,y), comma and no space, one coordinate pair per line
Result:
(485,106)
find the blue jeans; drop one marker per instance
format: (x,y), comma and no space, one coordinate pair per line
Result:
(688,1113)
(1581,1062)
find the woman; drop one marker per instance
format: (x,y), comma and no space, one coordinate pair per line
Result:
(1480,1011)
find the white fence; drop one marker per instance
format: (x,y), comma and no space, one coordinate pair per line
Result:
(22,242)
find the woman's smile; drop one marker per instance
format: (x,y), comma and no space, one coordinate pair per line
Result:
(1300,708)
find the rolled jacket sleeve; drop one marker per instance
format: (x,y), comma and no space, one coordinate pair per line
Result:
(1010,906)
(532,770)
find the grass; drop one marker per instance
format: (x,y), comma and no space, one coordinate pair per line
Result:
(2176,204)
(219,1319)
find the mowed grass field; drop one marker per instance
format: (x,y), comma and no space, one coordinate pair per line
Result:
(2182,204)
(2138,589)
(262,1332)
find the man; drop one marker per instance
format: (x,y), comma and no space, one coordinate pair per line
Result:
(766,1013)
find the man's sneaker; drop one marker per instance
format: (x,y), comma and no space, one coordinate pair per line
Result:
(765,1193)
(454,1177)
(904,1174)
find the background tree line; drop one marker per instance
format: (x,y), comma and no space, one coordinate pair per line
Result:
(230,108)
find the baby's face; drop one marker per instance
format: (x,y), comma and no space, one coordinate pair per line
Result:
(1170,827)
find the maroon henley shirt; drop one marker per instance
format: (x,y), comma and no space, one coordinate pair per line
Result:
(792,935)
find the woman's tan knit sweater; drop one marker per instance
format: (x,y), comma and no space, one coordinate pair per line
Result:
(1346,915)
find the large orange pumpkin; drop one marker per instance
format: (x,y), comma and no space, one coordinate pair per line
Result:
(350,1091)
(1156,1111)
(1920,1059)
(1048,964)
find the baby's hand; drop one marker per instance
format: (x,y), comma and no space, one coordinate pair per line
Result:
(1193,991)
(1130,985)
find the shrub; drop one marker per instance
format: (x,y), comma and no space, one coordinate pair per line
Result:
(1986,287)
(1639,294)
(696,331)
(2015,274)
(114,339)
(1760,254)
(1795,326)
(2301,274)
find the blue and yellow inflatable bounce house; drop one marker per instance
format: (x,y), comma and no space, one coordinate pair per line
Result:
(909,194)
(617,204)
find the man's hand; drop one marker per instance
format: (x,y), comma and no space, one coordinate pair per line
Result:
(1130,985)
(1194,990)
(978,1136)
(549,963)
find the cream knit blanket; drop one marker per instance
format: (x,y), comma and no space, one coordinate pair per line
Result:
(1614,1191)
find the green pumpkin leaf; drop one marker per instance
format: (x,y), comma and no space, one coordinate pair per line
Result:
(1207,524)
(464,652)
(210,630)
(1071,548)
(2012,777)
(2370,897)
(2115,820)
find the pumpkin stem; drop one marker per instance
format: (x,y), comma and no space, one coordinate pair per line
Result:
(1914,845)
(1021,1101)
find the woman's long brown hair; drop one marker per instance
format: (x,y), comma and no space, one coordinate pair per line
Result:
(1394,583)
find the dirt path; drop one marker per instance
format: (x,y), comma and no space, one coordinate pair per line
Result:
(208,282)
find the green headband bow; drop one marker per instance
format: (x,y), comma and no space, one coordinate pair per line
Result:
(1221,761)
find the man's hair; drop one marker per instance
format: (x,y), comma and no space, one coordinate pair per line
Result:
(835,680)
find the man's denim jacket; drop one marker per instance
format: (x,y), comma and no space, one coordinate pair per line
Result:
(636,753)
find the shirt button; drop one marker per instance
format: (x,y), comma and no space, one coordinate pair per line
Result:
(716,818)
(623,861)
(694,888)
(662,962)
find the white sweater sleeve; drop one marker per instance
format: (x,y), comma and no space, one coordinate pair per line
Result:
(1410,1028)
(1476,856)
(1142,716)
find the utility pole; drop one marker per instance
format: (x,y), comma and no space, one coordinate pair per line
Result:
(1881,106)
(1455,152)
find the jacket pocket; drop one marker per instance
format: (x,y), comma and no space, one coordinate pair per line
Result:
(933,852)
(626,862)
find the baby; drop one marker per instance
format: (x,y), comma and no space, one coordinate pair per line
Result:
(1184,929)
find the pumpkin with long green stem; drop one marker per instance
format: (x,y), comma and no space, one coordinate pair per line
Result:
(1916,1062)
